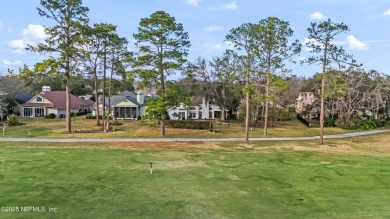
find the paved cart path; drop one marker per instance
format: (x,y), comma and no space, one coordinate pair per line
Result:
(346,135)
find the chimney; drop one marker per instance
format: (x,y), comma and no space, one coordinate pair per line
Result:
(46,88)
(140,97)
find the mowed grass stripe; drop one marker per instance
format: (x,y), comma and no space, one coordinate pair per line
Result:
(267,180)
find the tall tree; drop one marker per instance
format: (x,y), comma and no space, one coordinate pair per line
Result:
(68,16)
(119,60)
(243,39)
(163,45)
(92,51)
(321,38)
(273,48)
(218,79)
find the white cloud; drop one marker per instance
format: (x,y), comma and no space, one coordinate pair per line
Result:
(194,3)
(32,35)
(317,16)
(230,6)
(387,13)
(354,43)
(11,63)
(212,28)
(18,44)
(218,46)
(34,32)
(19,51)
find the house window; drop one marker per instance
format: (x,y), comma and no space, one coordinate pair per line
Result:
(39,99)
(217,114)
(192,108)
(200,115)
(192,115)
(182,115)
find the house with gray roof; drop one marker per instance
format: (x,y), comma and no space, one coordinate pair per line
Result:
(127,105)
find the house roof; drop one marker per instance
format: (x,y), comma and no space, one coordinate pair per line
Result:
(23,97)
(196,100)
(87,102)
(128,93)
(118,98)
(58,100)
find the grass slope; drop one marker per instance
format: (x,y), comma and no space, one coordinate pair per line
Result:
(344,179)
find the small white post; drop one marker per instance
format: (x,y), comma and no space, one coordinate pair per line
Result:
(4,127)
(151,167)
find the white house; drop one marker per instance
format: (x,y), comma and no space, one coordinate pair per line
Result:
(199,108)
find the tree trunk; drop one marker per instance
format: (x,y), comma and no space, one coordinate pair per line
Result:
(322,98)
(223,107)
(247,119)
(104,90)
(109,97)
(266,100)
(67,93)
(163,100)
(96,98)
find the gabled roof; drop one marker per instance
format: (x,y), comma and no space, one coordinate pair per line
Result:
(87,102)
(58,100)
(196,100)
(23,97)
(128,94)
(117,99)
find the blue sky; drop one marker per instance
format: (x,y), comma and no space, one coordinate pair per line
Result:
(208,22)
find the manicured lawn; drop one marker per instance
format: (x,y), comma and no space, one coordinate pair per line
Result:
(348,178)
(53,128)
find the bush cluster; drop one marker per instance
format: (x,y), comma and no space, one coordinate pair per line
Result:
(330,122)
(51,116)
(12,121)
(282,115)
(189,124)
(366,124)
(93,117)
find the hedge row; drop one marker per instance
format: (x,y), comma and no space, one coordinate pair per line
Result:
(93,117)
(189,124)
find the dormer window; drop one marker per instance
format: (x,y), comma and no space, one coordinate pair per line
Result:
(39,99)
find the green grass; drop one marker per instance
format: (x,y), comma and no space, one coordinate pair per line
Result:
(230,180)
(54,128)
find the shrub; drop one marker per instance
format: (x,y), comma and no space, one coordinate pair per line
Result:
(330,122)
(51,116)
(188,124)
(12,121)
(93,117)
(115,123)
(367,124)
(351,124)
(282,115)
